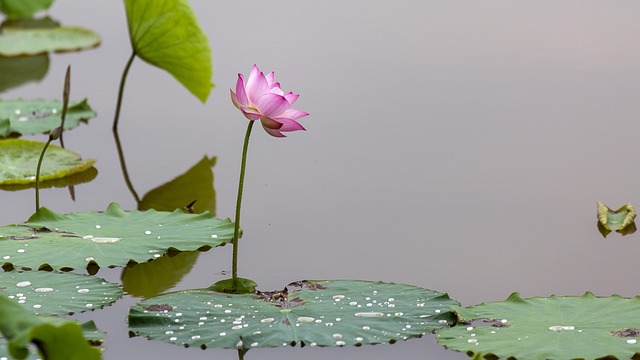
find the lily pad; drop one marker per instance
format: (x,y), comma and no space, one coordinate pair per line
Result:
(23,8)
(556,327)
(18,71)
(57,338)
(166,34)
(19,159)
(28,117)
(111,238)
(52,293)
(315,313)
(71,180)
(21,42)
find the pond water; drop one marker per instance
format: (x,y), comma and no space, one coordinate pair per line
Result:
(454,145)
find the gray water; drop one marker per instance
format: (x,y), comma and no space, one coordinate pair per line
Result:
(459,146)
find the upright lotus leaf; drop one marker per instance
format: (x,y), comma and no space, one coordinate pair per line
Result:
(315,313)
(56,338)
(71,180)
(19,159)
(22,42)
(194,185)
(28,117)
(111,238)
(94,336)
(18,71)
(556,327)
(23,8)
(621,220)
(166,34)
(53,293)
(152,278)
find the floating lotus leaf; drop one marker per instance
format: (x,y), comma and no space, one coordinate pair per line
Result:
(28,117)
(71,180)
(23,8)
(19,159)
(20,42)
(57,338)
(166,34)
(621,220)
(18,71)
(315,313)
(195,184)
(111,238)
(557,327)
(53,293)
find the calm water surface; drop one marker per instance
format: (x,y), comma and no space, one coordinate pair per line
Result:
(455,145)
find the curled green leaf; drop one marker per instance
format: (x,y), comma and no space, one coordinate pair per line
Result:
(621,220)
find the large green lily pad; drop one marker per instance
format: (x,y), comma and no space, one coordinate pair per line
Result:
(166,34)
(21,42)
(556,327)
(28,117)
(53,293)
(111,238)
(57,338)
(315,313)
(19,160)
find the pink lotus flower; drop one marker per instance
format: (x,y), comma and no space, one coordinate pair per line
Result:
(261,98)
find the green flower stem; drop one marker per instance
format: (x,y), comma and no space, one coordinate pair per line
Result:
(44,150)
(123,79)
(236,229)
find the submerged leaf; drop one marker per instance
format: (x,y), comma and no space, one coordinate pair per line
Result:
(19,159)
(555,327)
(23,8)
(315,313)
(28,117)
(621,220)
(20,42)
(165,33)
(111,238)
(53,293)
